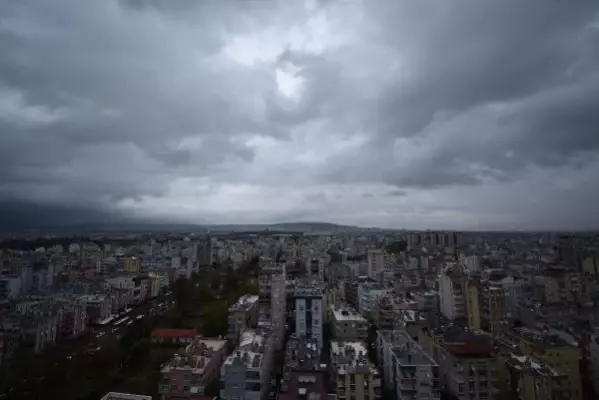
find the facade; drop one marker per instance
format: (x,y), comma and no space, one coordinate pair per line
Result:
(352,374)
(185,376)
(98,306)
(556,353)
(309,308)
(408,370)
(246,373)
(242,315)
(278,306)
(467,362)
(132,265)
(452,290)
(203,252)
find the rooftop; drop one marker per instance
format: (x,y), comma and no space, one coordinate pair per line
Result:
(302,353)
(244,303)
(195,356)
(350,358)
(530,365)
(346,313)
(405,349)
(466,344)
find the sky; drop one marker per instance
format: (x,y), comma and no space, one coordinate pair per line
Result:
(423,114)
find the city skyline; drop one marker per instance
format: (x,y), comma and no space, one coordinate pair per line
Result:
(400,114)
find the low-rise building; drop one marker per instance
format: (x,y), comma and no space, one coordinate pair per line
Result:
(304,376)
(186,374)
(527,378)
(352,374)
(408,371)
(347,324)
(467,361)
(246,373)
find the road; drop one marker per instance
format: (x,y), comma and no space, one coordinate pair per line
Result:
(111,330)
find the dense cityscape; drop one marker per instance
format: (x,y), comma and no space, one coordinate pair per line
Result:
(348,315)
(299,200)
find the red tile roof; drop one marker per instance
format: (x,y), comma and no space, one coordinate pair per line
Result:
(173,333)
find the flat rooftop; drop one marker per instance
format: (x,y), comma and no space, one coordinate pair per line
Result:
(346,313)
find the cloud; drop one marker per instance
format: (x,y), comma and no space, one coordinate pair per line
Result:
(396,114)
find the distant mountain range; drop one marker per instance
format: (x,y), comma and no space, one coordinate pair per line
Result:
(18,217)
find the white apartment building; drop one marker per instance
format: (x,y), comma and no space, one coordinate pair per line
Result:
(469,262)
(246,373)
(309,307)
(407,369)
(452,290)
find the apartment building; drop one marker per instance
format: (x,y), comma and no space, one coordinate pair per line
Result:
(409,373)
(246,373)
(452,287)
(353,376)
(384,313)
(556,353)
(269,270)
(304,377)
(378,260)
(278,307)
(561,285)
(242,315)
(186,374)
(347,324)
(368,295)
(132,264)
(309,307)
(527,378)
(98,306)
(467,362)
(73,322)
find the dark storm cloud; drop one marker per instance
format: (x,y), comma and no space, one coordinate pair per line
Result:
(478,80)
(109,101)
(115,84)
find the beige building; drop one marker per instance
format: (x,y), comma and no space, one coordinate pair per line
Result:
(556,353)
(467,362)
(132,264)
(347,324)
(527,378)
(352,374)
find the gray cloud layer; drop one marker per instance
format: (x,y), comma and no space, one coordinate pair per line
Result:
(415,114)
